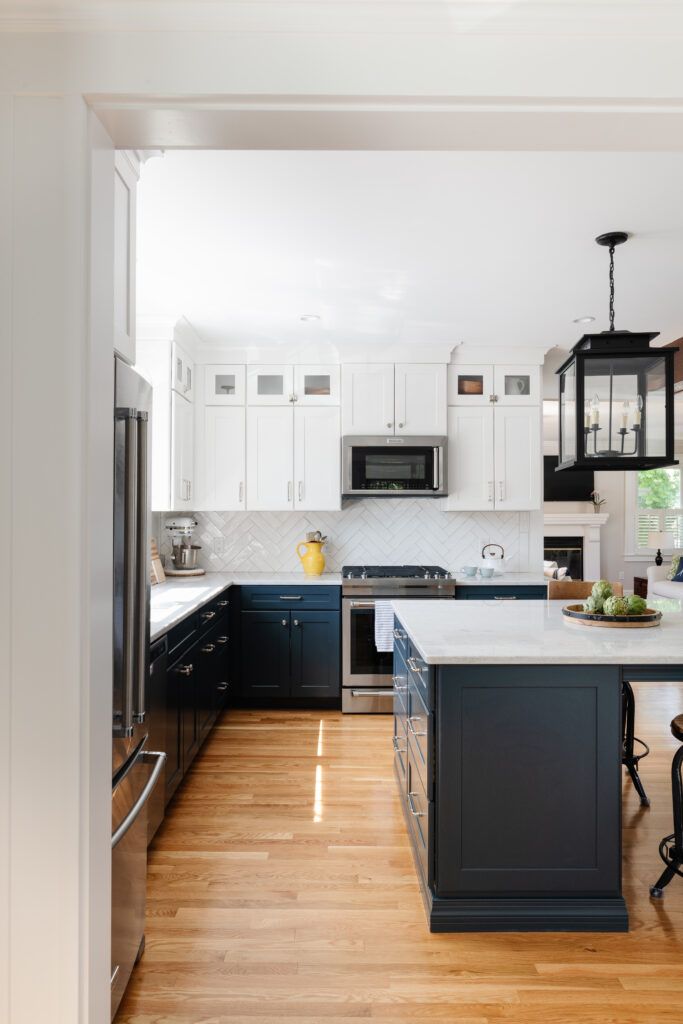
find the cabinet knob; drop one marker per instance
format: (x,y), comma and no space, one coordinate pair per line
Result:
(390,424)
(284,622)
(296,622)
(400,424)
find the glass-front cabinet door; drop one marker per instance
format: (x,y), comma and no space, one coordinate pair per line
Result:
(224,384)
(516,385)
(270,385)
(316,385)
(470,385)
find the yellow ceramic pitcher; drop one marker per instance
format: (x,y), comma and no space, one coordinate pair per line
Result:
(314,560)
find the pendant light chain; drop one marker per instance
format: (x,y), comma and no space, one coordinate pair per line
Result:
(611,287)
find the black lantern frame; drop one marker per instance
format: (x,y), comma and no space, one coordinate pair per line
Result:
(613,347)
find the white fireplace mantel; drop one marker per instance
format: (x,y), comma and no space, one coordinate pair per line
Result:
(579,524)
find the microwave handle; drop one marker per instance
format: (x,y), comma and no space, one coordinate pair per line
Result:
(437,468)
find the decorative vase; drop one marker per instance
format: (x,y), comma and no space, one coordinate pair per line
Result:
(314,560)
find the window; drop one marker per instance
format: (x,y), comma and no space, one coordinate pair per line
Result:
(657,503)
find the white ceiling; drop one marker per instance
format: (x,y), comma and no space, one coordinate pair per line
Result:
(487,248)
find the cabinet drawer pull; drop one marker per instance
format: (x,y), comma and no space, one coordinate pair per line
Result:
(395,681)
(209,649)
(222,686)
(207,615)
(513,597)
(222,639)
(415,667)
(286,597)
(399,750)
(411,728)
(416,814)
(222,604)
(399,635)
(185,670)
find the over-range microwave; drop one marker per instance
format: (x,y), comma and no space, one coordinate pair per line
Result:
(394,467)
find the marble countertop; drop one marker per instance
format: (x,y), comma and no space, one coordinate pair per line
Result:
(503,579)
(178,596)
(534,633)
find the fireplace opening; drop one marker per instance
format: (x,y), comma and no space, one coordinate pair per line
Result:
(567,552)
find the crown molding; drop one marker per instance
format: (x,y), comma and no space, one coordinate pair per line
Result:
(604,19)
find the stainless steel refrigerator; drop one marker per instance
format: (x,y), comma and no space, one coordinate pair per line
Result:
(135,769)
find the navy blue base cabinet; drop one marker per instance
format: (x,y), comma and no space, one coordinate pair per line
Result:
(291,648)
(498,592)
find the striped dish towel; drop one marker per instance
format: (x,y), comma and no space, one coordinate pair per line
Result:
(384,625)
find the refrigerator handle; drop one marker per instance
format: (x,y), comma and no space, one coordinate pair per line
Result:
(141,571)
(146,757)
(129,575)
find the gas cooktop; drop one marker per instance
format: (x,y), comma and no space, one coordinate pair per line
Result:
(394,572)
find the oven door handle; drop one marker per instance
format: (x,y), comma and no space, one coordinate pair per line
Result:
(372,693)
(361,604)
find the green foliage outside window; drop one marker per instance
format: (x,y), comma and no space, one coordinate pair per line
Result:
(659,488)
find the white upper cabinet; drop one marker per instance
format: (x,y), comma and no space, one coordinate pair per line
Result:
(270,385)
(368,398)
(420,398)
(518,459)
(317,459)
(223,459)
(125,187)
(270,458)
(316,385)
(182,372)
(517,385)
(471,473)
(470,384)
(224,385)
(182,453)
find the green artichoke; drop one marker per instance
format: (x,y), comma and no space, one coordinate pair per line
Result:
(602,590)
(592,604)
(636,605)
(615,606)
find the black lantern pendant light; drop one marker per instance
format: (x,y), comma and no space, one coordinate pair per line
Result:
(616,396)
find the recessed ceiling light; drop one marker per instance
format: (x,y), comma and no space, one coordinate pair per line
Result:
(309,316)
(584,320)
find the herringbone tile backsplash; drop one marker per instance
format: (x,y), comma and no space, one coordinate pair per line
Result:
(375,531)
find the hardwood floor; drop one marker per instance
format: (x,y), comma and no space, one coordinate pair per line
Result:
(282,889)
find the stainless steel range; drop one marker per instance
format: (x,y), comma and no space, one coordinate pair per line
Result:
(367,684)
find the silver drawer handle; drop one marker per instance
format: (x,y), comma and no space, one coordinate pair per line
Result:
(372,693)
(158,759)
(222,604)
(296,597)
(411,728)
(415,667)
(185,670)
(209,649)
(512,598)
(399,750)
(399,635)
(395,681)
(222,686)
(208,615)
(416,814)
(222,639)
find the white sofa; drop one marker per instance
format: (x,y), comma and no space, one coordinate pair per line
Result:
(658,585)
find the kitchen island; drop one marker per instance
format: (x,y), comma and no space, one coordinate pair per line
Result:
(507,751)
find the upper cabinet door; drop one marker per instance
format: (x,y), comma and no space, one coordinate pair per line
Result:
(270,459)
(368,398)
(125,188)
(182,372)
(470,385)
(316,385)
(224,459)
(420,397)
(270,385)
(182,453)
(517,385)
(317,459)
(224,385)
(518,459)
(471,476)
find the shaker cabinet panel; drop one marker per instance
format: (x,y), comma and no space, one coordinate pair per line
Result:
(182,453)
(518,458)
(368,398)
(265,643)
(420,398)
(224,459)
(315,654)
(270,458)
(471,474)
(317,459)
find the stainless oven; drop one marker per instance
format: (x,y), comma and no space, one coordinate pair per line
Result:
(367,674)
(394,467)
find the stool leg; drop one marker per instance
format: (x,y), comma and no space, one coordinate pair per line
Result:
(656,890)
(629,760)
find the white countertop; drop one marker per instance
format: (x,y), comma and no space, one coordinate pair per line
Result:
(179,595)
(450,632)
(503,579)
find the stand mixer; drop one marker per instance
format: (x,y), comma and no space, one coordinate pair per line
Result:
(184,556)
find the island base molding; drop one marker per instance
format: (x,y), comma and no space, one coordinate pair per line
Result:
(533,915)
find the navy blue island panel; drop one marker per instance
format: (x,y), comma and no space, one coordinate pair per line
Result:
(510,777)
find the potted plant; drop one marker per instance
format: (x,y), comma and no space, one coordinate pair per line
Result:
(596,500)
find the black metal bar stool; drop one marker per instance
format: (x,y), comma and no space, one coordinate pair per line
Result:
(671,847)
(629,758)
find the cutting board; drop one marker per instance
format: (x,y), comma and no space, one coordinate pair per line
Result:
(156,574)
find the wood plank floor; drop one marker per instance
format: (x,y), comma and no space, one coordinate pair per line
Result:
(282,889)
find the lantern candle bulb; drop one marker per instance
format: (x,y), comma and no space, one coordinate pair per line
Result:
(638,412)
(595,411)
(624,416)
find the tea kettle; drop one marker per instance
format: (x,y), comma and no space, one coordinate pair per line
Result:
(492,560)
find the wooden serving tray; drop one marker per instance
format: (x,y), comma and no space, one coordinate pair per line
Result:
(575,613)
